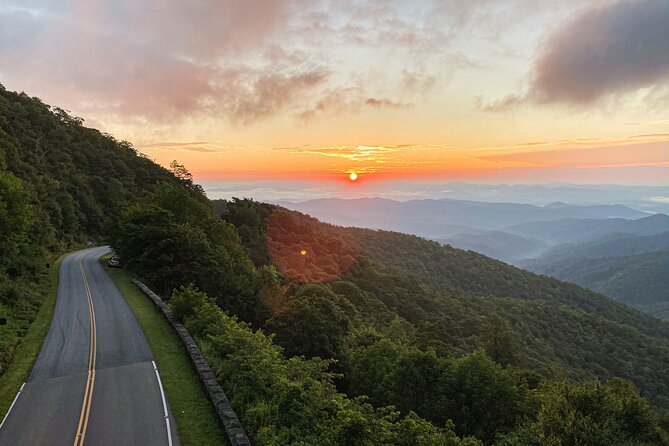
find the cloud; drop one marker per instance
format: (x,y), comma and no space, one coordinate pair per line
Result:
(353,153)
(645,153)
(153,61)
(384,102)
(615,48)
(349,100)
(195,146)
(164,63)
(603,50)
(269,93)
(583,143)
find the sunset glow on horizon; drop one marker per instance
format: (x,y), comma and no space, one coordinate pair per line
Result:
(384,91)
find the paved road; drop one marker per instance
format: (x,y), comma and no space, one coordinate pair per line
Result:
(94,382)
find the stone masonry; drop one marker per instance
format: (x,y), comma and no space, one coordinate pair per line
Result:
(233,427)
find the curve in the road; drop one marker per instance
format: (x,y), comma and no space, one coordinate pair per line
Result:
(94,381)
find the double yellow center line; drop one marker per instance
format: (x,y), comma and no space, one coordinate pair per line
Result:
(90,382)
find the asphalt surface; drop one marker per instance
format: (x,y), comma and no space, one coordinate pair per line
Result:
(68,401)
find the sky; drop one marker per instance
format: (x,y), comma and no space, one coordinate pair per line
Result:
(279,91)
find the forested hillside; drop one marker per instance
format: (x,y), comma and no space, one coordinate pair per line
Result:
(576,230)
(60,184)
(497,244)
(446,295)
(358,339)
(469,273)
(632,269)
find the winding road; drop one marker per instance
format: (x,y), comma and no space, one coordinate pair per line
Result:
(94,381)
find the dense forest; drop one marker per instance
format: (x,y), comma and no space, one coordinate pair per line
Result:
(61,184)
(627,267)
(323,335)
(469,346)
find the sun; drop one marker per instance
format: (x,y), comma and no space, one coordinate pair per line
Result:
(352,176)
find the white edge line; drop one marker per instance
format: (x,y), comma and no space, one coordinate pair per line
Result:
(12,406)
(162,395)
(169,431)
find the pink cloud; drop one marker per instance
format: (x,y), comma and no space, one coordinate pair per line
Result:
(603,50)
(615,48)
(155,60)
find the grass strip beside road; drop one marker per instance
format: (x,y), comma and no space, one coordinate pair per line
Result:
(31,344)
(197,423)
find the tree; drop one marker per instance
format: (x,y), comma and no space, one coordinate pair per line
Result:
(180,171)
(15,218)
(481,397)
(315,323)
(590,413)
(186,178)
(498,340)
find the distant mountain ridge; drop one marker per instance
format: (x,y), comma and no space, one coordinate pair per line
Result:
(445,217)
(630,268)
(590,245)
(570,230)
(613,245)
(651,199)
(498,245)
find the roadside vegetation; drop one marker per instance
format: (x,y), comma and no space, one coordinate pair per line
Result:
(196,421)
(61,186)
(21,339)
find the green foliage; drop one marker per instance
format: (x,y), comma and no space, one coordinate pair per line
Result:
(637,280)
(555,329)
(591,413)
(294,401)
(482,398)
(250,219)
(15,216)
(498,340)
(315,323)
(174,240)
(470,274)
(60,184)
(78,179)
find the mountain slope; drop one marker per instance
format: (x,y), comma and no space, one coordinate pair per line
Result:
(60,184)
(445,295)
(444,267)
(638,280)
(572,230)
(614,245)
(629,268)
(498,245)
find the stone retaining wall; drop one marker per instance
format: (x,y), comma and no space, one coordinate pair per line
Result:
(227,416)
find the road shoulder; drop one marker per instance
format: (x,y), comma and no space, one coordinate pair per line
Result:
(196,421)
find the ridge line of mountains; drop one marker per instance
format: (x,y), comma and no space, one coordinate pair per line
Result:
(612,249)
